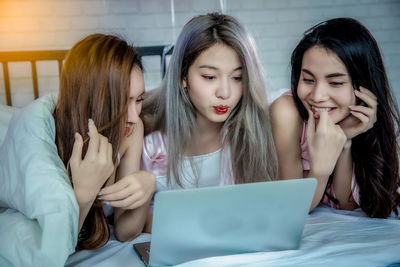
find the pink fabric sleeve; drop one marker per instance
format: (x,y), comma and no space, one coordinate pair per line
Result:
(154,154)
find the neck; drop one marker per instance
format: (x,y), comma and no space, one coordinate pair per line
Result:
(207,138)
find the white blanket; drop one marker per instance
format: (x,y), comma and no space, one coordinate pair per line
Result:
(39,225)
(5,116)
(330,238)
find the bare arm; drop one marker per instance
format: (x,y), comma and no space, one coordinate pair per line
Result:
(132,192)
(287,127)
(342,176)
(325,142)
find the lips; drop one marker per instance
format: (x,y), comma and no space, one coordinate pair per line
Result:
(221,109)
(319,109)
(127,131)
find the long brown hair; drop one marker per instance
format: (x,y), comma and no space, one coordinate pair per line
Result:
(94,83)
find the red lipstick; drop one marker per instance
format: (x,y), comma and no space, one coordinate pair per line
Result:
(221,109)
(127,131)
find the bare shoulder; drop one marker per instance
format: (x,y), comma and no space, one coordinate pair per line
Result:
(285,114)
(284,108)
(287,127)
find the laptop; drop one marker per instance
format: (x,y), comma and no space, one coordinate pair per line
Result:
(215,221)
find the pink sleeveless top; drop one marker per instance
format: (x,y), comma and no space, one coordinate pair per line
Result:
(305,159)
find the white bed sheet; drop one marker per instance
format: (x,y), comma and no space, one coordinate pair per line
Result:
(330,238)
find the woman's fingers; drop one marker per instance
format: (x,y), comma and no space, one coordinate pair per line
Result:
(120,195)
(367,97)
(131,191)
(310,125)
(115,187)
(103,149)
(363,118)
(362,109)
(368,92)
(94,141)
(132,202)
(76,155)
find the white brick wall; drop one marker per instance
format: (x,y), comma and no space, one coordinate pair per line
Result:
(277,26)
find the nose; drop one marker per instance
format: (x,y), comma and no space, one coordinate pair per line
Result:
(133,114)
(224,89)
(320,93)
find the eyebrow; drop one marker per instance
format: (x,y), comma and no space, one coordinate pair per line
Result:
(141,94)
(215,68)
(332,75)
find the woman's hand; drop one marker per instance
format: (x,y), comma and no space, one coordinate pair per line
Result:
(131,191)
(89,174)
(325,143)
(362,117)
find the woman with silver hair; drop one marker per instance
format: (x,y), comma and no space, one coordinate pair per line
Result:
(208,123)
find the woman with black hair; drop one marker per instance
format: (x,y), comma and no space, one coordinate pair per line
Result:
(340,122)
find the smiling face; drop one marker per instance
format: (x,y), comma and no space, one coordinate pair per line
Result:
(136,92)
(325,84)
(214,84)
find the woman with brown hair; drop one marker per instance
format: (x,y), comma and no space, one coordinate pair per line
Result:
(60,175)
(102,84)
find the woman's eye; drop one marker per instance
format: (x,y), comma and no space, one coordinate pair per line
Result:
(238,78)
(208,77)
(308,80)
(137,100)
(336,84)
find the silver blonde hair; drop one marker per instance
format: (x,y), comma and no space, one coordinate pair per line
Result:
(247,130)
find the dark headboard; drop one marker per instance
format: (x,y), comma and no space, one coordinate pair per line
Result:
(59,55)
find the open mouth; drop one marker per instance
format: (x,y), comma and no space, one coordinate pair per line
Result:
(317,110)
(221,109)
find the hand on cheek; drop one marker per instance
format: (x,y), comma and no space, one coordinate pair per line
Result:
(362,116)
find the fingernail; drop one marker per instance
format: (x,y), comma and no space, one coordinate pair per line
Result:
(91,121)
(99,198)
(100,193)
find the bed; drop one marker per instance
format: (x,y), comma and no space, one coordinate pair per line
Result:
(330,237)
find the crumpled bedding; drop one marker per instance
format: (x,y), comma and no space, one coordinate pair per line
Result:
(330,238)
(38,209)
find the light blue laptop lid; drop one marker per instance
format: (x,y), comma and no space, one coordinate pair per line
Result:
(213,221)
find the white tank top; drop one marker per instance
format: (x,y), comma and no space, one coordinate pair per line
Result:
(209,169)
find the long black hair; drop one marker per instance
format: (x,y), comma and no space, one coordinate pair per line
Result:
(375,152)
